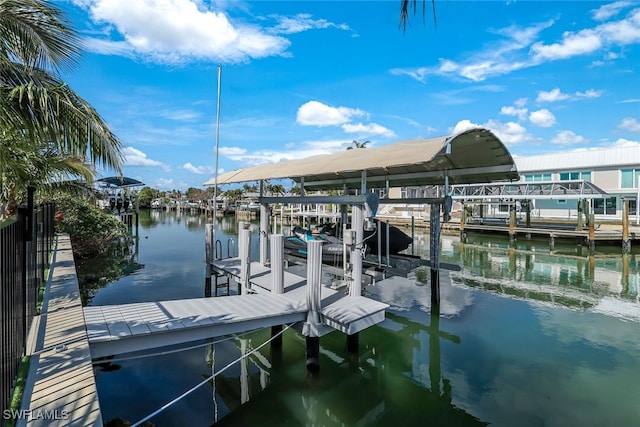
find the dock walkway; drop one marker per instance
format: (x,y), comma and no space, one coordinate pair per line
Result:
(123,328)
(60,389)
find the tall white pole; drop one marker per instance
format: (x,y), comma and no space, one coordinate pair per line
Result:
(215,180)
(638,201)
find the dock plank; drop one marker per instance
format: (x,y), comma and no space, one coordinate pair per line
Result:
(60,379)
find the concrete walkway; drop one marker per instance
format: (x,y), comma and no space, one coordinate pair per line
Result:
(60,388)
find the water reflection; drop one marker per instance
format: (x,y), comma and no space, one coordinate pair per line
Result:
(556,351)
(119,260)
(606,283)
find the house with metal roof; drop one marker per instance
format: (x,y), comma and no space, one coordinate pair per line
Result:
(615,170)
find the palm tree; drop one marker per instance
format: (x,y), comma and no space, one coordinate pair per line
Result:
(357,144)
(405,5)
(36,107)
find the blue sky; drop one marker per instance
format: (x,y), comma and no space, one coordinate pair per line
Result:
(307,77)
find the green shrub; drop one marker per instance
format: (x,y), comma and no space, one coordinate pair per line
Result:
(90,228)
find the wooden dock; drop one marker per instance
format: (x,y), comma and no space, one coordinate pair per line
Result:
(60,389)
(124,328)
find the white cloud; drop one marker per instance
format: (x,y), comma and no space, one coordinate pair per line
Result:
(464,125)
(609,10)
(521,48)
(368,129)
(551,96)
(629,123)
(555,95)
(567,137)
(231,151)
(164,184)
(590,93)
(543,118)
(176,31)
(303,22)
(510,133)
(199,170)
(314,113)
(510,110)
(626,143)
(294,151)
(572,44)
(520,102)
(135,157)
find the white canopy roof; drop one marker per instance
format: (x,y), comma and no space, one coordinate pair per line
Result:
(473,156)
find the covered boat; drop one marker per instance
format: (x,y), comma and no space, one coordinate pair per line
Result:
(333,248)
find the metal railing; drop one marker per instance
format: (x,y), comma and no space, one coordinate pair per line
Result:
(25,245)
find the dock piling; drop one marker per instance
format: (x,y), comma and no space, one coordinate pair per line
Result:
(626,242)
(311,328)
(434,231)
(244,249)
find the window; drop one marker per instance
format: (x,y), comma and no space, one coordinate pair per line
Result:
(536,177)
(605,206)
(629,178)
(570,176)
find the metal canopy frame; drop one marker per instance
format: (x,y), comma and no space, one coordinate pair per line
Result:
(541,190)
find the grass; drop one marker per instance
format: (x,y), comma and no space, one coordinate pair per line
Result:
(18,390)
(421,274)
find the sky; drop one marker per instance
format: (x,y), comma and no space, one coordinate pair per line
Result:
(300,78)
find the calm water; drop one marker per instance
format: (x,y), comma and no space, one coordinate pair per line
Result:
(524,338)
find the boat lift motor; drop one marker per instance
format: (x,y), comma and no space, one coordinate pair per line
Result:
(371,203)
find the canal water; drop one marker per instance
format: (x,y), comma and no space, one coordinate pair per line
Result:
(524,337)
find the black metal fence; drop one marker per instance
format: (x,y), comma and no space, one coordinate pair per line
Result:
(25,244)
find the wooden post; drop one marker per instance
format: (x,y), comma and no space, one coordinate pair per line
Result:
(313,354)
(592,234)
(463,221)
(512,225)
(434,231)
(528,214)
(587,214)
(353,343)
(552,242)
(580,213)
(626,242)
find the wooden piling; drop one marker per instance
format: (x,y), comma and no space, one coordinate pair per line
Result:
(353,343)
(512,225)
(592,234)
(463,221)
(313,354)
(434,232)
(626,242)
(580,213)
